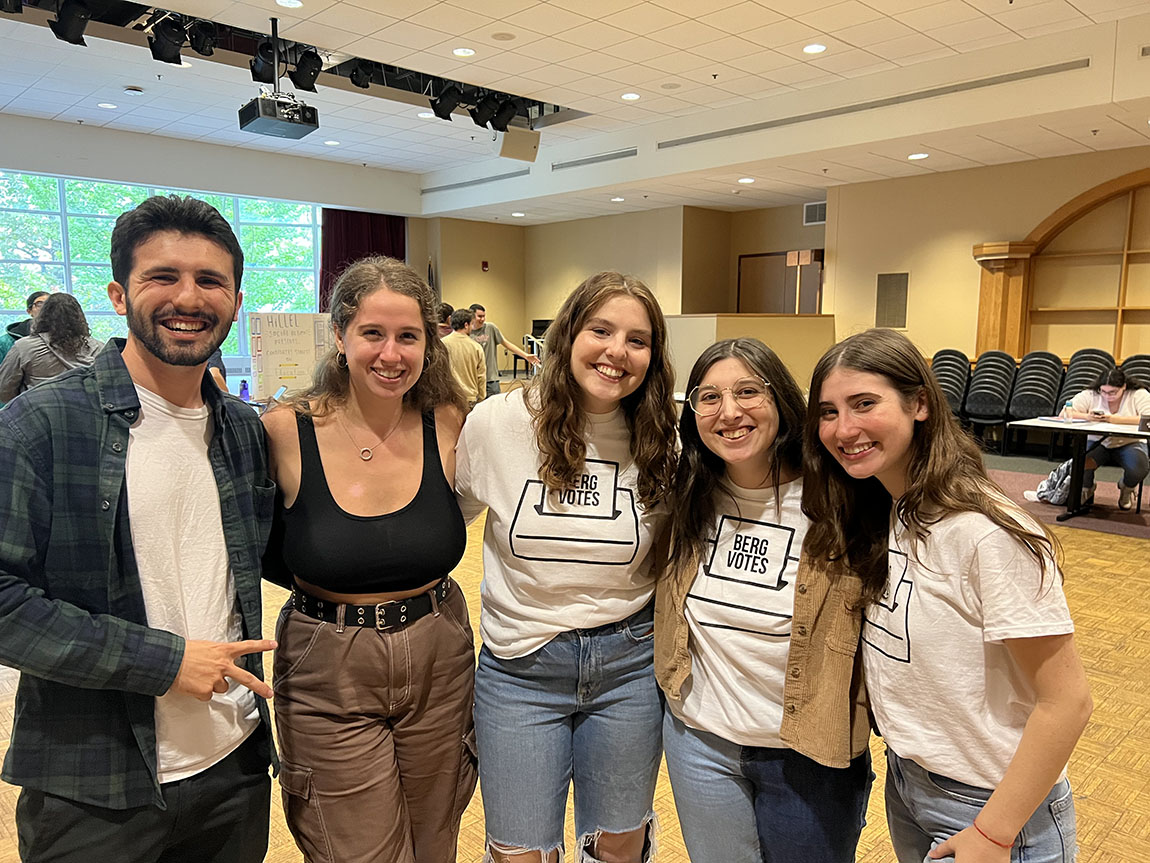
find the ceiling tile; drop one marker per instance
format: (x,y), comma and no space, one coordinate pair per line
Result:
(905,46)
(987,42)
(596,35)
(638,50)
(726,49)
(690,8)
(320,35)
(848,60)
(967,31)
(554,50)
(741,17)
(595,8)
(939,15)
(448,18)
(687,35)
(395,8)
(644,18)
(761,63)
(840,15)
(1039,15)
(874,32)
(679,62)
(783,33)
(800,73)
(352,19)
(548,20)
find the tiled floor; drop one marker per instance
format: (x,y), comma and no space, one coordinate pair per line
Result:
(1108,584)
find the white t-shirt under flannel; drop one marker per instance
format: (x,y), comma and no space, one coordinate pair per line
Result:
(944,689)
(739,611)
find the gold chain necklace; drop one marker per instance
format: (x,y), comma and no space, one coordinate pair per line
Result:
(365,452)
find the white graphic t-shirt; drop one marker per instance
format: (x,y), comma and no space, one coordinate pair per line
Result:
(943,687)
(553,561)
(739,616)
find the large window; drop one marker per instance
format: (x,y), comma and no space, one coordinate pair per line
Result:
(55,234)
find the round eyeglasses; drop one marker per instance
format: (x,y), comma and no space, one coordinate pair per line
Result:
(748,393)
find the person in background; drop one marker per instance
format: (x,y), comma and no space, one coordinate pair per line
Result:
(574,471)
(374,674)
(60,340)
(1115,398)
(445,311)
(18,330)
(468,365)
(968,647)
(488,337)
(766,729)
(134,512)
(218,370)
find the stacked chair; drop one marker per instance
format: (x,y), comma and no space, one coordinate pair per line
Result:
(1137,366)
(988,394)
(1036,389)
(952,370)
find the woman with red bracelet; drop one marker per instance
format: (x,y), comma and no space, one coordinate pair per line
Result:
(968,647)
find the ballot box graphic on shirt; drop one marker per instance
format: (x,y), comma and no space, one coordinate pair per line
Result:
(886,622)
(596,522)
(744,581)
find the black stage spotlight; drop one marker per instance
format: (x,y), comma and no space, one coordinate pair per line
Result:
(361,74)
(263,64)
(12,7)
(504,115)
(485,110)
(204,36)
(449,98)
(71,19)
(307,69)
(166,40)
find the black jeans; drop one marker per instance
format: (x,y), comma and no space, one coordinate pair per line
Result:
(217,816)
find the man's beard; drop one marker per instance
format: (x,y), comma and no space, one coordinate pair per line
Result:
(149,333)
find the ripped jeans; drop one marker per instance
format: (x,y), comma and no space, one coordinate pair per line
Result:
(585,710)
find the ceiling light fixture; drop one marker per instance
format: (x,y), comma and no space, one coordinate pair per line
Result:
(203,36)
(449,99)
(464,52)
(617,200)
(486,108)
(504,115)
(518,215)
(914,157)
(814,48)
(362,74)
(746,181)
(425,115)
(331,143)
(133,90)
(289,4)
(307,68)
(71,19)
(167,39)
(107,105)
(629,97)
(503,36)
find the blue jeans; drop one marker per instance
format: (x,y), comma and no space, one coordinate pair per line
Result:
(1131,458)
(924,809)
(751,804)
(584,708)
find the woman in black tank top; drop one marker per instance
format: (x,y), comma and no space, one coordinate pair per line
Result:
(374,669)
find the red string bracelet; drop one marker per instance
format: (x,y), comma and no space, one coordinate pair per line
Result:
(982,833)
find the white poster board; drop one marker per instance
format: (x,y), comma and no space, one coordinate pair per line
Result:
(285,348)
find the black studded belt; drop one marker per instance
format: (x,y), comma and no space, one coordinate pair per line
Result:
(384,616)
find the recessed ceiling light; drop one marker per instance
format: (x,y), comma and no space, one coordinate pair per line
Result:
(289,4)
(133,90)
(108,105)
(503,36)
(746,181)
(518,215)
(331,143)
(464,52)
(914,157)
(629,97)
(814,48)
(617,200)
(425,115)
(670,85)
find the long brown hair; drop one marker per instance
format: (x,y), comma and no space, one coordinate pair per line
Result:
(62,320)
(851,518)
(697,476)
(330,386)
(557,411)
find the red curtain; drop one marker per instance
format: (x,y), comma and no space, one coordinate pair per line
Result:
(349,236)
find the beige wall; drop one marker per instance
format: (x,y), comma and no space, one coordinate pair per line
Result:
(926,226)
(458,247)
(799,341)
(706,247)
(777,229)
(417,249)
(647,245)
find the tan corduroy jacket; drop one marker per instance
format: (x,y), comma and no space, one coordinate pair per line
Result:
(825,713)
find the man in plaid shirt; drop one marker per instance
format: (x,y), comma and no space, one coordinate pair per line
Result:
(134,507)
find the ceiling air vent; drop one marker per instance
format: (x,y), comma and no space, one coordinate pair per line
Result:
(815,213)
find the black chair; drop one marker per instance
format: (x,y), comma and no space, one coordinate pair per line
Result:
(1082,372)
(952,370)
(1137,366)
(1036,389)
(988,395)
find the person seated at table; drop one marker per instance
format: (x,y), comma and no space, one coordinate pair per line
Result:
(1115,398)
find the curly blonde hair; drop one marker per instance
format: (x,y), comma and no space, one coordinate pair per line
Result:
(553,397)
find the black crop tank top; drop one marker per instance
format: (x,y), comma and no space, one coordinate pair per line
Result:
(332,549)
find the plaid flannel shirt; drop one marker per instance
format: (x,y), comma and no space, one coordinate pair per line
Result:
(72,615)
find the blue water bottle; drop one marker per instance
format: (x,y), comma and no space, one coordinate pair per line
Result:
(244,394)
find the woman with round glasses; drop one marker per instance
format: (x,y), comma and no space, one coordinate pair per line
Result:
(765,730)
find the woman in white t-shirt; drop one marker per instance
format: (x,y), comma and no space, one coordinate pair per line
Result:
(968,646)
(573,471)
(726,614)
(1115,398)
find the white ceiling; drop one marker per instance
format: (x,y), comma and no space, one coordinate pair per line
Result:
(692,62)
